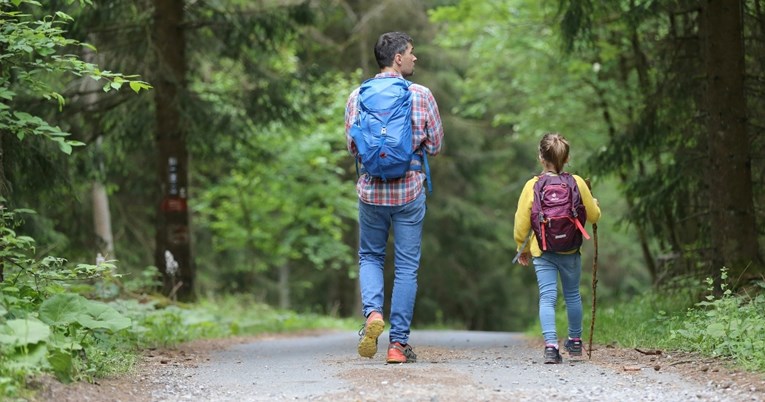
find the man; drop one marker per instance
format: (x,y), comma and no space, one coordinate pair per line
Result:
(394,203)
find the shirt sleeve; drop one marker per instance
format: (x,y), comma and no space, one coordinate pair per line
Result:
(523,216)
(592,208)
(434,129)
(350,117)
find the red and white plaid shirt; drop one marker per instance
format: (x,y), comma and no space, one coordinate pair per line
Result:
(427,132)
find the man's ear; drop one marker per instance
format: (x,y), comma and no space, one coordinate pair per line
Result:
(397,58)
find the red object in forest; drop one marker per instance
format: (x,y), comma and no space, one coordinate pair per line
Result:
(174,204)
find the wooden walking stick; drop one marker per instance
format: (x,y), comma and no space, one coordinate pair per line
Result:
(594,279)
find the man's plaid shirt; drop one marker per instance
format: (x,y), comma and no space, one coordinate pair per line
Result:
(427,132)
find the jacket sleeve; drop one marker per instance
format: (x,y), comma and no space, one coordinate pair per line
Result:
(522,225)
(592,208)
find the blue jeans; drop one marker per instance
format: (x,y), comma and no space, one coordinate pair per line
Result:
(548,266)
(374,225)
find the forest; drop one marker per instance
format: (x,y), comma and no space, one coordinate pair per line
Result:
(184,152)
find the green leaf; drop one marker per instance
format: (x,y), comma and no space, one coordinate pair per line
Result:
(716,330)
(101,316)
(65,147)
(62,309)
(137,86)
(59,340)
(28,358)
(64,16)
(20,332)
(62,366)
(7,94)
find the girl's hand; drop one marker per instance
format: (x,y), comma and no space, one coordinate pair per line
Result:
(524,258)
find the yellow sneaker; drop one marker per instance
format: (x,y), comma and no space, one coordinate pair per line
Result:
(369,333)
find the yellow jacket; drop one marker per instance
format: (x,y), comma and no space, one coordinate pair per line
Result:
(523,214)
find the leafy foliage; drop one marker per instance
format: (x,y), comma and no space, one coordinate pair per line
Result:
(650,87)
(724,324)
(728,325)
(274,198)
(30,49)
(43,325)
(46,325)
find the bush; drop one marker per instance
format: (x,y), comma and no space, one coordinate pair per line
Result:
(729,325)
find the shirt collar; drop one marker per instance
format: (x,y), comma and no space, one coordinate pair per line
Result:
(389,75)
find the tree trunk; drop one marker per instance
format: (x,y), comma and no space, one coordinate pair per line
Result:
(284,286)
(734,235)
(102,221)
(173,232)
(102,218)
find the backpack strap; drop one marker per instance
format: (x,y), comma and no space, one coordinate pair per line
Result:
(572,182)
(544,236)
(581,228)
(538,186)
(425,168)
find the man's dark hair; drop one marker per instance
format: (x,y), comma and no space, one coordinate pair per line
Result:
(388,45)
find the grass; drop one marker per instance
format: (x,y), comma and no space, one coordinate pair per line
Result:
(729,325)
(218,317)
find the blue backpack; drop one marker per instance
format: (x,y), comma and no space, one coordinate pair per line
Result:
(382,131)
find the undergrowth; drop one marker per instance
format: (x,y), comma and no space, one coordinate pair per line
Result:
(723,324)
(730,325)
(80,322)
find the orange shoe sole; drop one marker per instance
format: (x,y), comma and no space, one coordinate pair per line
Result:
(397,356)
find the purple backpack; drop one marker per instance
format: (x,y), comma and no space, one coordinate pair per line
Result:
(557,213)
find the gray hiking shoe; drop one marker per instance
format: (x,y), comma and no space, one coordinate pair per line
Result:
(552,355)
(574,346)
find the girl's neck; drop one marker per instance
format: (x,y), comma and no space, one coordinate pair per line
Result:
(548,168)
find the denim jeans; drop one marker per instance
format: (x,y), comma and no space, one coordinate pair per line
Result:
(548,266)
(374,226)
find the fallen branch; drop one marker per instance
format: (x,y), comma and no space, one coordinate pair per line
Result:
(649,352)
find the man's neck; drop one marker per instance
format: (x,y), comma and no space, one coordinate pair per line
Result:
(389,70)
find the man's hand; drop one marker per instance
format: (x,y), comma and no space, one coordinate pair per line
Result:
(524,258)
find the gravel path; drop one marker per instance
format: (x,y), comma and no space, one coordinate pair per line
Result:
(452,366)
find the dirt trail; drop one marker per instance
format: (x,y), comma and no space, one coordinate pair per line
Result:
(452,366)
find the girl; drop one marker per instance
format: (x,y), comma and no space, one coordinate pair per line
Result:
(553,155)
